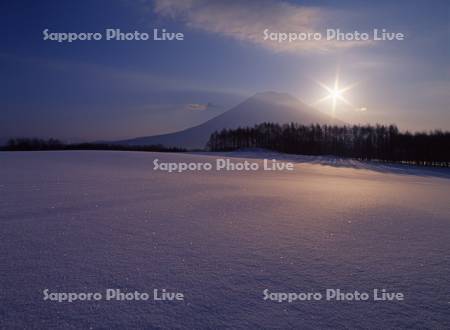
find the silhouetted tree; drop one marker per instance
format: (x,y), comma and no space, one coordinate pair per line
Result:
(367,142)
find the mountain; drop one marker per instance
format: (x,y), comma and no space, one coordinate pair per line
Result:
(262,107)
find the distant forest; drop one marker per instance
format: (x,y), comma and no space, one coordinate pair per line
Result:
(30,144)
(382,143)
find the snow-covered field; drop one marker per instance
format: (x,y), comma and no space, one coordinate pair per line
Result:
(85,221)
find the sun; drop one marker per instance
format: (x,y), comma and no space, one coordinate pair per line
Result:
(335,93)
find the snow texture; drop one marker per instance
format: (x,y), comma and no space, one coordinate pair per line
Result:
(90,220)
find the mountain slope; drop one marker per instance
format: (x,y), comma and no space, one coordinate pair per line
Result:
(262,107)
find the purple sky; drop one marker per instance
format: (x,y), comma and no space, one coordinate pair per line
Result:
(115,89)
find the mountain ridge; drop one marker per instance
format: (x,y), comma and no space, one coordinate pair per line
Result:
(262,107)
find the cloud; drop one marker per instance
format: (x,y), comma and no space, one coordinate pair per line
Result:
(203,106)
(196,106)
(246,21)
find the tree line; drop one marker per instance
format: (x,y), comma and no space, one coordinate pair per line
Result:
(34,144)
(364,142)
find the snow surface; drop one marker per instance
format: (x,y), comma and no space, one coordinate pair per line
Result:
(90,220)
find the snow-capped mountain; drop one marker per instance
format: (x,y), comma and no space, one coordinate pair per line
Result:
(262,107)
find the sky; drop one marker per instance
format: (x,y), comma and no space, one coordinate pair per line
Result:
(106,90)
